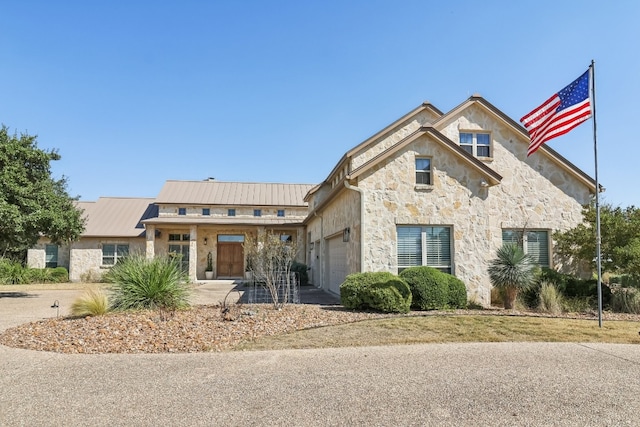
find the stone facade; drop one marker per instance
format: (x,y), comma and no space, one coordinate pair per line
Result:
(534,193)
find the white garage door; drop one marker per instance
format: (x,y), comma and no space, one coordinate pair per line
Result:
(337,265)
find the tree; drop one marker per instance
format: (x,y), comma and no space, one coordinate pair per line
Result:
(269,259)
(32,203)
(620,240)
(511,271)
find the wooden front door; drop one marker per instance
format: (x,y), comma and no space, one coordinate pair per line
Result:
(230,260)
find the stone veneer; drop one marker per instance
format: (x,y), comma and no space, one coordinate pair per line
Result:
(535,193)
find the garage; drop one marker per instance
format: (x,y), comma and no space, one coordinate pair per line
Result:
(337,263)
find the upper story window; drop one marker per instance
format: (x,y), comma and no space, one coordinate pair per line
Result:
(206,211)
(280,212)
(476,144)
(231,212)
(423,171)
(257,212)
(182,211)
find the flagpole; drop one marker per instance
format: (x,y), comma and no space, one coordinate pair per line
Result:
(595,153)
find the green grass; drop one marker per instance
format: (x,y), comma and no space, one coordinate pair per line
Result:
(453,328)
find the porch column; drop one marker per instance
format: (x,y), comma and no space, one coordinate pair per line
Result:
(151,240)
(193,253)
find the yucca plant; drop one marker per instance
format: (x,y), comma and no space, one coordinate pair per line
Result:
(93,303)
(511,271)
(141,283)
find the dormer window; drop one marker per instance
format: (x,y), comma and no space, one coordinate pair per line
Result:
(281,212)
(257,212)
(476,144)
(182,211)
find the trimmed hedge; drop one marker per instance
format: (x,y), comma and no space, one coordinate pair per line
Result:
(351,290)
(391,296)
(301,272)
(430,287)
(457,292)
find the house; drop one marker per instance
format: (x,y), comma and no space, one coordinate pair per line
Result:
(432,188)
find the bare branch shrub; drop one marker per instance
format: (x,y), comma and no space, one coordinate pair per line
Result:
(269,259)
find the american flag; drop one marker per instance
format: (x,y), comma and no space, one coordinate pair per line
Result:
(560,113)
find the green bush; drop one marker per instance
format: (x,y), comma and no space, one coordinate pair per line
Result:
(12,273)
(141,283)
(301,272)
(351,290)
(390,296)
(59,275)
(430,287)
(457,292)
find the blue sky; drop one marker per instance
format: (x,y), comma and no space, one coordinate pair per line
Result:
(133,93)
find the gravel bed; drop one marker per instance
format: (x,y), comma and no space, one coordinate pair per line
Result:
(202,328)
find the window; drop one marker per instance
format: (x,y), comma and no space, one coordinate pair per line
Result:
(430,246)
(423,171)
(111,253)
(286,238)
(182,211)
(257,212)
(533,242)
(476,144)
(231,212)
(179,237)
(182,252)
(51,256)
(280,212)
(206,211)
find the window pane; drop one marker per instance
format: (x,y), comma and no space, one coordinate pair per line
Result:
(51,256)
(466,138)
(409,246)
(257,212)
(182,211)
(230,237)
(231,212)
(123,250)
(108,250)
(280,212)
(206,211)
(482,139)
(512,236)
(423,178)
(185,237)
(174,237)
(538,247)
(423,165)
(467,148)
(438,244)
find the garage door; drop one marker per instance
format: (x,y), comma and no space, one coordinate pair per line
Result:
(337,265)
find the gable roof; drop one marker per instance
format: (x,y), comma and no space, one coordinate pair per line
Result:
(492,176)
(211,192)
(519,129)
(117,216)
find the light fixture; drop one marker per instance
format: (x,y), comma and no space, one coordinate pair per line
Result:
(484,183)
(345,234)
(205,241)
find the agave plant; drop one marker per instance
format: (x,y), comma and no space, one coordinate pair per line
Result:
(511,271)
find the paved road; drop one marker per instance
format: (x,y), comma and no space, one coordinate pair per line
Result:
(522,384)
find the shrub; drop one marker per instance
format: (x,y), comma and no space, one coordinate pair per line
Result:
(301,272)
(59,275)
(512,271)
(429,287)
(626,300)
(92,303)
(390,296)
(351,290)
(457,292)
(549,299)
(12,273)
(578,304)
(141,283)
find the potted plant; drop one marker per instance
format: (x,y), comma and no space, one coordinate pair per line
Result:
(208,272)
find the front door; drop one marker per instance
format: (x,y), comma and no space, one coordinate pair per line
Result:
(230,260)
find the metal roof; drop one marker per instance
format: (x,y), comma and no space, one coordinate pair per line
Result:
(181,220)
(211,192)
(117,216)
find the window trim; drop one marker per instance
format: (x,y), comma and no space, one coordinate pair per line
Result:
(116,253)
(428,173)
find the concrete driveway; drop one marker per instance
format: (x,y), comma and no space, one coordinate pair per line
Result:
(537,384)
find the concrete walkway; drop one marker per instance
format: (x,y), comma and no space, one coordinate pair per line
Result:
(522,384)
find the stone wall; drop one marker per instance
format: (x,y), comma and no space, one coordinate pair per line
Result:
(534,193)
(86,256)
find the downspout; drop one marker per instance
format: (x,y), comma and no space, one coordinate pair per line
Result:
(321,249)
(362,239)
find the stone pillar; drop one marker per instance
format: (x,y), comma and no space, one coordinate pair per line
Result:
(151,240)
